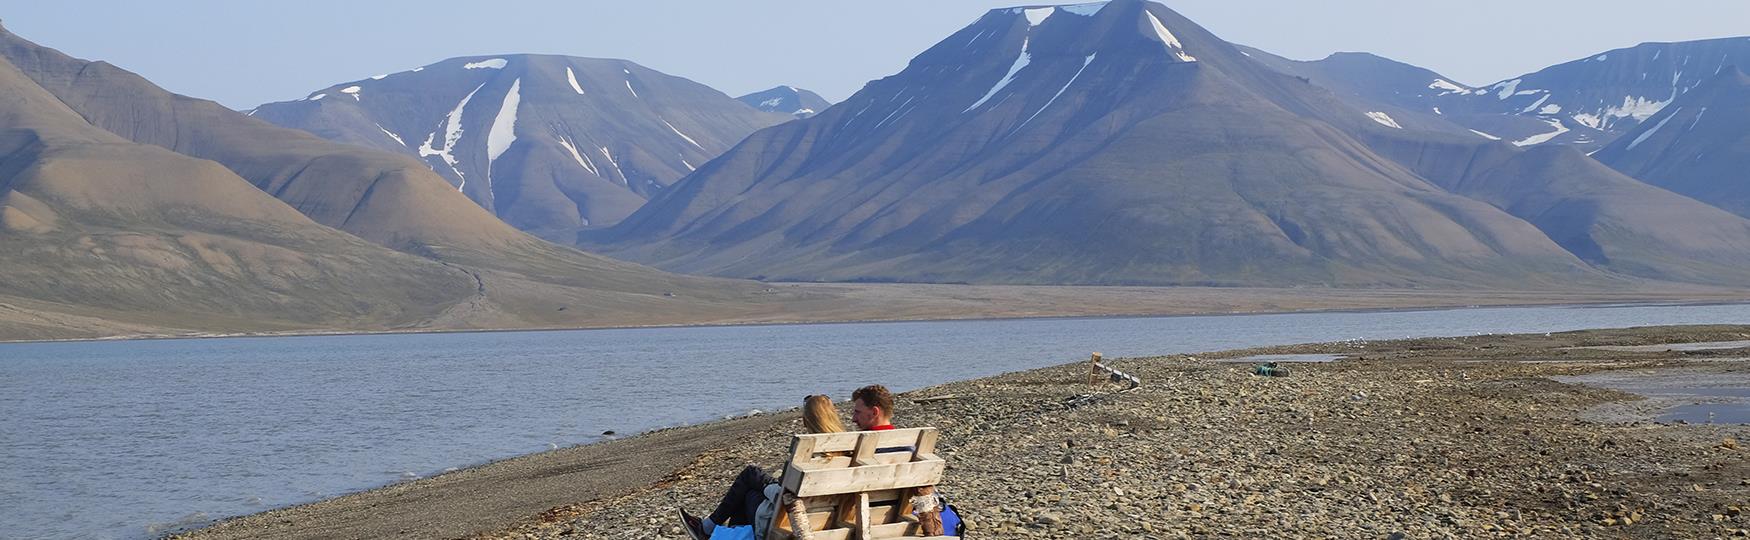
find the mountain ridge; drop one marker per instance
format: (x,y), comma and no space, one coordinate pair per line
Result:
(550,144)
(727,231)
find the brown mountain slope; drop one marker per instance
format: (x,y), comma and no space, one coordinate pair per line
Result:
(143,234)
(378,196)
(389,199)
(1096,144)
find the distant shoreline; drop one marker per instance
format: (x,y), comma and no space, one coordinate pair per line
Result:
(1433,300)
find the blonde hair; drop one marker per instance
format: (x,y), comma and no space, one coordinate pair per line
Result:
(819,416)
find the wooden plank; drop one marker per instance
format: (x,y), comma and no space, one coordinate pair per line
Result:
(802,449)
(926,442)
(872,477)
(884,495)
(889,458)
(891,530)
(866,446)
(847,441)
(863,517)
(831,534)
(904,503)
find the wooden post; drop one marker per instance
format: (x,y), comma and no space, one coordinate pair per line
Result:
(1094,369)
(863,517)
(799,525)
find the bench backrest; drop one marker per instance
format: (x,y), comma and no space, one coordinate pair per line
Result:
(859,484)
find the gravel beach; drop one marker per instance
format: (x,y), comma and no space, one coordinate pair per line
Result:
(1427,438)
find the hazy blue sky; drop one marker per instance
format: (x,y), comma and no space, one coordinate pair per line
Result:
(244,52)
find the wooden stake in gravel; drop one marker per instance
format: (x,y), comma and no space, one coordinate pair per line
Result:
(1094,369)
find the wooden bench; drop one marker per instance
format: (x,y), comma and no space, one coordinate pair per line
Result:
(839,488)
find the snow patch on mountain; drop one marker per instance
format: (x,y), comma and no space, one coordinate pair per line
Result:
(577,156)
(1167,37)
(1636,107)
(503,132)
(570,76)
(1384,119)
(392,135)
(1697,119)
(1085,10)
(1545,137)
(629,88)
(1589,120)
(616,165)
(1485,135)
(1508,88)
(1448,86)
(352,91)
(1020,63)
(495,63)
(683,135)
(1060,91)
(1536,105)
(1037,15)
(452,135)
(1656,127)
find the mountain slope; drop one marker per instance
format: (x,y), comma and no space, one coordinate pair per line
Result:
(392,200)
(1586,103)
(1697,146)
(787,100)
(1608,219)
(92,223)
(1090,144)
(1408,94)
(549,144)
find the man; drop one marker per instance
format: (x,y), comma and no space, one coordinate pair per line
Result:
(871,410)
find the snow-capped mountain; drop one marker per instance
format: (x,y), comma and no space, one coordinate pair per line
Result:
(550,144)
(1587,102)
(788,100)
(1119,143)
(1698,145)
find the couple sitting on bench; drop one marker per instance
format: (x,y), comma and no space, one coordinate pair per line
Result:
(874,483)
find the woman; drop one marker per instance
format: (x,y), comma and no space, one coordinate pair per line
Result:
(746,509)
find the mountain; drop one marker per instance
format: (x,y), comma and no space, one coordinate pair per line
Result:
(1608,219)
(549,144)
(787,100)
(392,200)
(95,225)
(1698,145)
(1587,102)
(1089,144)
(1406,93)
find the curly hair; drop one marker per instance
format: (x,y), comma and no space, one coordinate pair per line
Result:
(875,395)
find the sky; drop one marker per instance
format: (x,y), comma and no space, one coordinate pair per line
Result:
(244,53)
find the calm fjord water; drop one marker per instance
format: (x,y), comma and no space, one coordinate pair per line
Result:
(122,439)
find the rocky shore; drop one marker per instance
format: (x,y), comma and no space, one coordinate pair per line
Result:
(1427,438)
